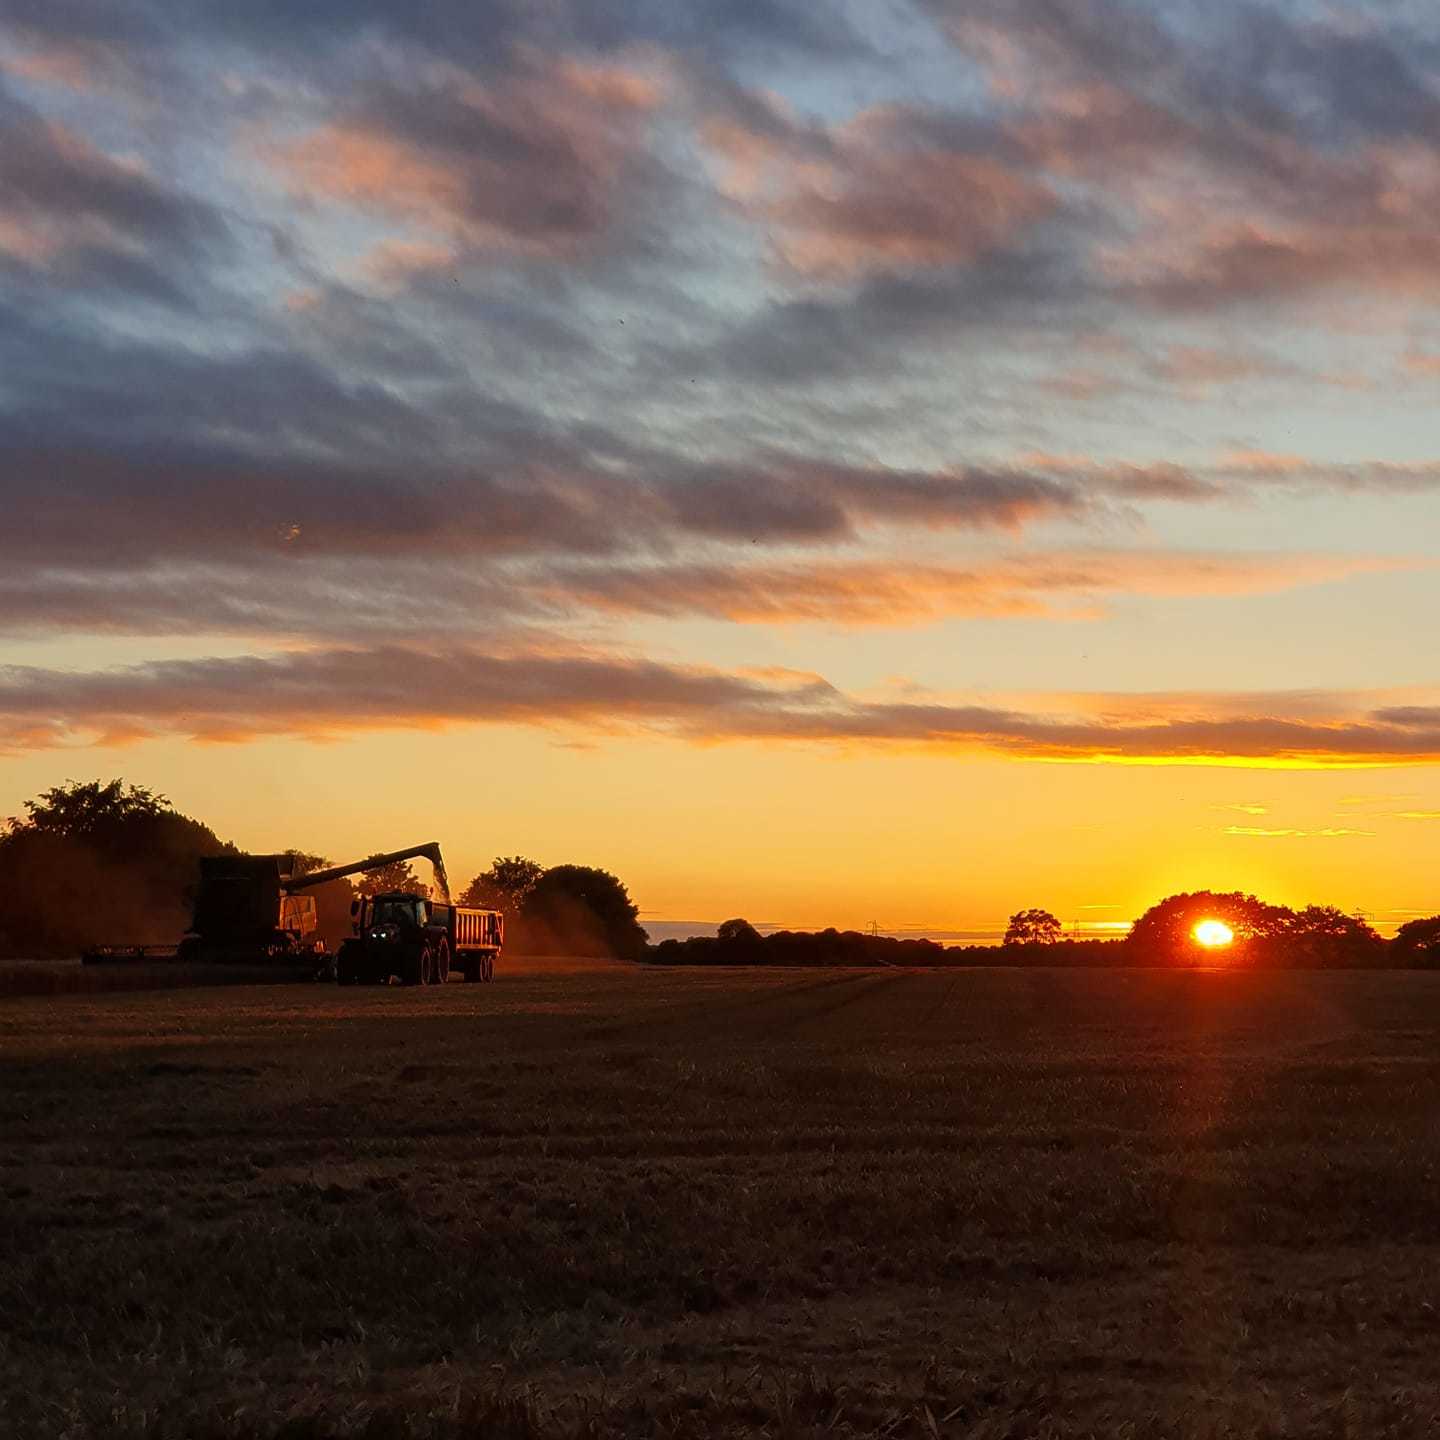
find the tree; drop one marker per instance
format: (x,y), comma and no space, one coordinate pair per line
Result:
(1325,935)
(1326,920)
(739,942)
(577,910)
(737,932)
(92,810)
(1417,942)
(397,875)
(504,886)
(97,861)
(1165,932)
(1032,927)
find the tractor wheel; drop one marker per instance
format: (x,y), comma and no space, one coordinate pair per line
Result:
(442,963)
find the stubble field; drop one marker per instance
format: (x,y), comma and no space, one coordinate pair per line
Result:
(615,1201)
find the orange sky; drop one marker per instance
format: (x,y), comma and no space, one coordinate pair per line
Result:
(806,837)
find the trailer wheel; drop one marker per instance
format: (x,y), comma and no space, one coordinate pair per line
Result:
(487,968)
(442,963)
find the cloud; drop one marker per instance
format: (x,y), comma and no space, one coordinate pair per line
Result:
(86,45)
(71,213)
(139,37)
(1123,164)
(543,160)
(339,691)
(1260,155)
(1257,832)
(181,457)
(884,320)
(529,487)
(1413,717)
(892,593)
(882,191)
(320,693)
(297,593)
(1201,366)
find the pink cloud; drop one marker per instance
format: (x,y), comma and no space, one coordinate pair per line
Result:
(535,162)
(874,194)
(1054,585)
(330,692)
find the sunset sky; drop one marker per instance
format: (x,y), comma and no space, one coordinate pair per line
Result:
(895,461)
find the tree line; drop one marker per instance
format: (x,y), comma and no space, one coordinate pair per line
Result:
(96,862)
(1265,936)
(105,862)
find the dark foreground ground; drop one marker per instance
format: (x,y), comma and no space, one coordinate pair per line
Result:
(624,1202)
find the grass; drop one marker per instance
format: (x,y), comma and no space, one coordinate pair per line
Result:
(611,1201)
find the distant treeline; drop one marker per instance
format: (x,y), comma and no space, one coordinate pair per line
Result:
(855,948)
(1270,937)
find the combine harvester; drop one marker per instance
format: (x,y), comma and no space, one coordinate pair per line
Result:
(252,910)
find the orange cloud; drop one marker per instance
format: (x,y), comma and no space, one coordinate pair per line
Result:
(332,692)
(1421,362)
(1201,365)
(533,163)
(1055,585)
(53,64)
(876,193)
(69,208)
(1257,832)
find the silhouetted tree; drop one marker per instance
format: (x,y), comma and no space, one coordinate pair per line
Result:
(741,932)
(98,861)
(1165,932)
(504,886)
(737,942)
(1319,936)
(1417,943)
(1032,927)
(96,811)
(740,943)
(577,910)
(397,875)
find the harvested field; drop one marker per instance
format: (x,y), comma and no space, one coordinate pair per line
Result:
(70,977)
(601,1200)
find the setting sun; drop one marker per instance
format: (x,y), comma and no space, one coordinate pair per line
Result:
(1213,933)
